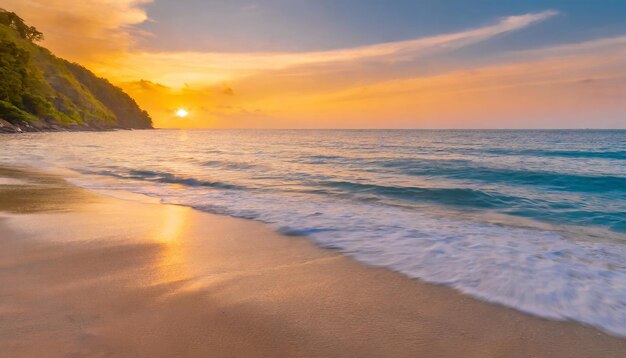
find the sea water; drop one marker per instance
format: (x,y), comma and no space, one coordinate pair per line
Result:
(534,220)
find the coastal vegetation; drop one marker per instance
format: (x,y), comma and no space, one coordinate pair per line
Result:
(39,91)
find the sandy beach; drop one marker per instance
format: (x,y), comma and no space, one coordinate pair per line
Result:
(84,274)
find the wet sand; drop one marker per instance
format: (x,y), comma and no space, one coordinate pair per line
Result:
(88,275)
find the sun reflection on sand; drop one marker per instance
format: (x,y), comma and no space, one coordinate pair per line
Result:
(174,218)
(172,265)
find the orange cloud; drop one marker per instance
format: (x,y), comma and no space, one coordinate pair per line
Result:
(557,86)
(83,30)
(209,106)
(380,85)
(554,92)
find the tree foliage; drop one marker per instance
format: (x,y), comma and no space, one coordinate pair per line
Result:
(12,20)
(37,86)
(13,72)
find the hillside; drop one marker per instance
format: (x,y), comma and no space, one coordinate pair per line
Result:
(39,91)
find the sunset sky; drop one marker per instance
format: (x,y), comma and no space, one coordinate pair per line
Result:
(351,63)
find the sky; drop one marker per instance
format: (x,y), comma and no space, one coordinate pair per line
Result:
(351,63)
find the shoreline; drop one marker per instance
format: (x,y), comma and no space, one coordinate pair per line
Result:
(88,274)
(43,127)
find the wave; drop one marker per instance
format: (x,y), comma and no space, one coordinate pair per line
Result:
(620,155)
(446,207)
(447,196)
(536,271)
(537,209)
(466,198)
(220,164)
(162,177)
(460,169)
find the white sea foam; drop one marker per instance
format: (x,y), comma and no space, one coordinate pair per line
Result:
(418,202)
(536,271)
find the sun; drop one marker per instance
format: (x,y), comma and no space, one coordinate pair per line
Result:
(182,113)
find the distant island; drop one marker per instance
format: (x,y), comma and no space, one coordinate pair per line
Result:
(42,92)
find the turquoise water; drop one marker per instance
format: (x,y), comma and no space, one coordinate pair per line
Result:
(534,220)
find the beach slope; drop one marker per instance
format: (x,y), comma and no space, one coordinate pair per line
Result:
(90,275)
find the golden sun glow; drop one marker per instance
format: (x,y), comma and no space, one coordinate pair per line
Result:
(182,113)
(379,83)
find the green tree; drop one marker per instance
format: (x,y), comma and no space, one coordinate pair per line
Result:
(12,20)
(13,73)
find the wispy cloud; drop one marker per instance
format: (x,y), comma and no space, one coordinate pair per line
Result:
(100,34)
(200,67)
(608,44)
(560,86)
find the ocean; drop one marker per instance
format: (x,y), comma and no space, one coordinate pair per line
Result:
(533,220)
